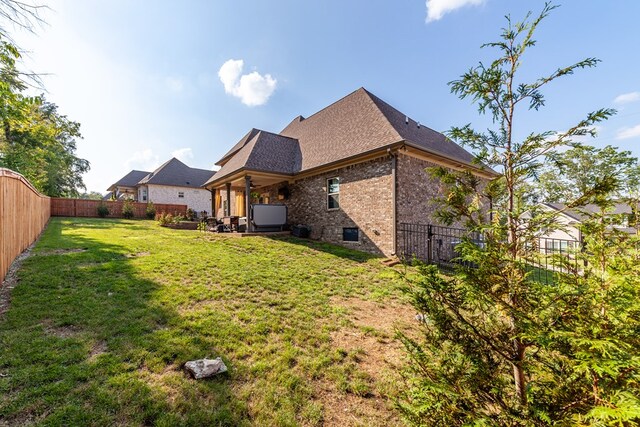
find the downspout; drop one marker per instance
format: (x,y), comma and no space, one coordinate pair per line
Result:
(247,201)
(394,233)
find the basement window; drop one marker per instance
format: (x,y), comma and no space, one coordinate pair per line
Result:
(181,194)
(333,193)
(350,234)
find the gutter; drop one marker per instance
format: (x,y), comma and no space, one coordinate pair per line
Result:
(394,181)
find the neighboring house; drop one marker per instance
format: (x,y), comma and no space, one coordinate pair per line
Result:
(172,183)
(570,220)
(352,172)
(127,186)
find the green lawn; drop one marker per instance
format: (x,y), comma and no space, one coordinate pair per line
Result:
(107,311)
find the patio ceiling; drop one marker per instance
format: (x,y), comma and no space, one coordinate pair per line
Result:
(258,179)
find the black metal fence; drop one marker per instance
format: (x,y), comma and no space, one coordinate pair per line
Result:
(436,244)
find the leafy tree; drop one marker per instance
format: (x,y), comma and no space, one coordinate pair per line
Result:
(36,140)
(571,173)
(93,195)
(41,146)
(499,348)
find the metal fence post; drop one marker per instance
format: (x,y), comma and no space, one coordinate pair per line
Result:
(429,243)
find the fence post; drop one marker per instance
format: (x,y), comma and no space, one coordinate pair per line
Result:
(429,243)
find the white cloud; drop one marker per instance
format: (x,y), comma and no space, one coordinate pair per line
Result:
(626,133)
(183,154)
(252,89)
(627,98)
(145,160)
(174,84)
(436,9)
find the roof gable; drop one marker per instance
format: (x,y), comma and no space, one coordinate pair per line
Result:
(267,152)
(422,136)
(350,126)
(243,141)
(358,124)
(129,180)
(176,173)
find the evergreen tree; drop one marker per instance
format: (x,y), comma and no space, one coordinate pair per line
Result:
(500,348)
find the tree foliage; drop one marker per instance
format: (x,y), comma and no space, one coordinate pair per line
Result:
(36,140)
(92,195)
(500,348)
(571,173)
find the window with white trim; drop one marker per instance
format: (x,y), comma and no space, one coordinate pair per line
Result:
(333,193)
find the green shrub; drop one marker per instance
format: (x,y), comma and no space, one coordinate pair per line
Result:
(103,210)
(165,219)
(191,215)
(127,209)
(150,211)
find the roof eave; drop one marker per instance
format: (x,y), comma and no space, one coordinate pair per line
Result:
(244,171)
(454,162)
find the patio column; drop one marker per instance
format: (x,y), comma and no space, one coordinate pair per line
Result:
(213,202)
(247,201)
(228,213)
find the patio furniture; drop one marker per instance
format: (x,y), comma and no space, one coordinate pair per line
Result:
(230,223)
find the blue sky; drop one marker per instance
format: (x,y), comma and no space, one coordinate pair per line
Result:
(144,77)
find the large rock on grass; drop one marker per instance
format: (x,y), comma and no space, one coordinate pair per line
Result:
(204,368)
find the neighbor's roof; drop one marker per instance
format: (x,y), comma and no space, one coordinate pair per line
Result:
(354,125)
(176,173)
(129,180)
(581,213)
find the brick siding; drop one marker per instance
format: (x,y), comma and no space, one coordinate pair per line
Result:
(365,203)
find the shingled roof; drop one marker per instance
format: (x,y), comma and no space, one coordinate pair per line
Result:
(581,213)
(359,123)
(267,152)
(176,173)
(355,125)
(129,180)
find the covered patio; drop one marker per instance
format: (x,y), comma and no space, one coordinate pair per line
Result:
(232,197)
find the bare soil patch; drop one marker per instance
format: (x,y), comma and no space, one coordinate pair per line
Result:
(61,251)
(380,355)
(11,279)
(100,347)
(138,254)
(66,331)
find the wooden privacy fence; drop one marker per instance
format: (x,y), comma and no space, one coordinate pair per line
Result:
(89,208)
(24,213)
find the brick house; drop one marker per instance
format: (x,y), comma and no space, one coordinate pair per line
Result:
(353,172)
(172,183)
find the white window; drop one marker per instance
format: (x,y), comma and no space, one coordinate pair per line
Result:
(333,193)
(181,194)
(144,194)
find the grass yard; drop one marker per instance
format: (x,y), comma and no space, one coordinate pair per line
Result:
(106,312)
